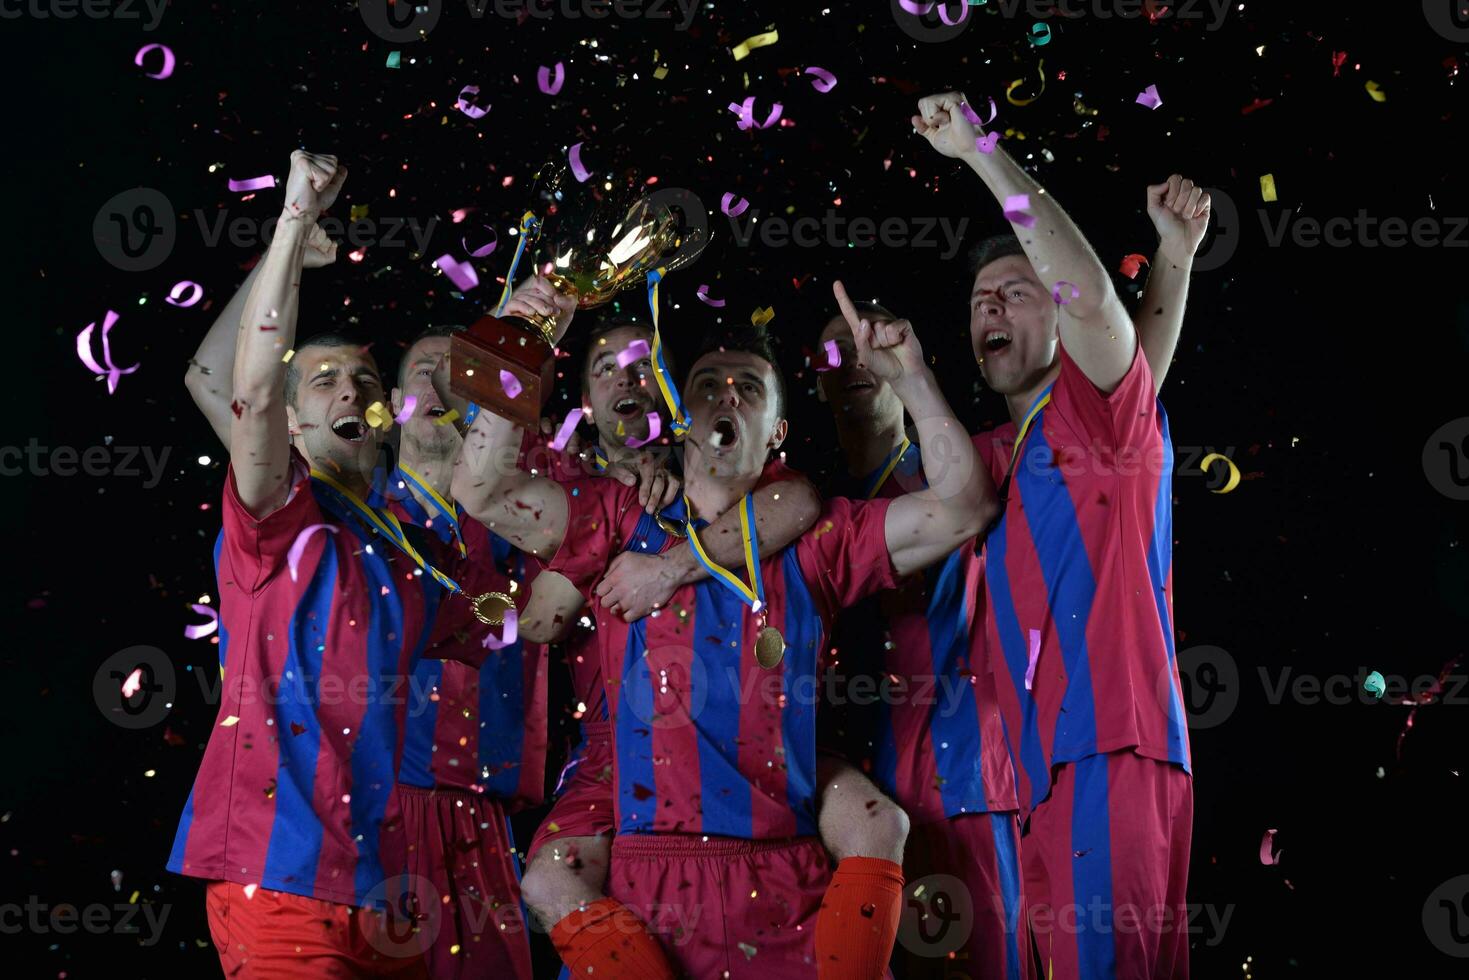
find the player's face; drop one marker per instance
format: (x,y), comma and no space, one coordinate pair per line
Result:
(1013,325)
(620,396)
(731,401)
(855,396)
(328,423)
(421,436)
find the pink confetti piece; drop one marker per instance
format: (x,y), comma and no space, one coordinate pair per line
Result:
(1149,97)
(1035,653)
(1132,264)
(203,629)
(821,79)
(1017,209)
(483,250)
(833,356)
(298,547)
(703,294)
(510,632)
(132,683)
(987,142)
(973,116)
(727,205)
(549,84)
(944,13)
(467,107)
(178,290)
(580,172)
(252,184)
(510,383)
(168,60)
(563,434)
(410,402)
(655,429)
(1268,853)
(746,113)
(84,351)
(1056,292)
(461,274)
(634,352)
(914,8)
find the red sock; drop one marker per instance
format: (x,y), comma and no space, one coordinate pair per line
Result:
(858,920)
(606,941)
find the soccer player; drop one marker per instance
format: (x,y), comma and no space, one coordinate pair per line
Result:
(713,706)
(1078,594)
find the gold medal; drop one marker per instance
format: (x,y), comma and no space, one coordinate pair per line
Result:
(770,647)
(490,607)
(670,527)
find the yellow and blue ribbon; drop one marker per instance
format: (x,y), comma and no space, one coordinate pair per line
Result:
(666,384)
(1041,401)
(386,524)
(444,508)
(752,594)
(528,225)
(881,474)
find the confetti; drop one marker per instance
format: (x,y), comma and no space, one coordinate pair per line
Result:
(410,402)
(178,290)
(821,79)
(1040,34)
(198,632)
(574,155)
(483,250)
(973,116)
(568,426)
(1233,480)
(761,317)
(298,547)
(467,107)
(1267,187)
(252,184)
(746,113)
(378,416)
(132,683)
(986,143)
(84,351)
(734,210)
(1017,209)
(1375,685)
(230,722)
(1268,853)
(634,352)
(395,59)
(655,429)
(250,890)
(550,84)
(511,630)
(833,356)
(461,274)
(447,417)
(1056,292)
(1149,97)
(1035,652)
(1375,90)
(168,60)
(703,294)
(1010,90)
(510,383)
(1132,264)
(742,50)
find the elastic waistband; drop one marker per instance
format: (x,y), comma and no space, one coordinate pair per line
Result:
(595,729)
(445,792)
(697,845)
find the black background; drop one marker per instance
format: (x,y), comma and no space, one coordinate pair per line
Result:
(1322,370)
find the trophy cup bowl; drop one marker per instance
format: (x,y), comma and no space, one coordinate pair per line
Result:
(590,243)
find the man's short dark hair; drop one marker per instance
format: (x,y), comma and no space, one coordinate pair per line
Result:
(293,366)
(749,340)
(993,248)
(442,330)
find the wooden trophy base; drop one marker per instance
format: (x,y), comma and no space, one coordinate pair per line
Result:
(479,354)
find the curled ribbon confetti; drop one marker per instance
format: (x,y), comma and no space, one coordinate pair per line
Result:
(833,356)
(761,317)
(467,107)
(746,113)
(377,416)
(703,294)
(1056,292)
(168,60)
(655,429)
(1233,480)
(973,116)
(568,426)
(574,155)
(461,274)
(915,8)
(298,547)
(483,250)
(511,631)
(742,50)
(1132,263)
(821,79)
(252,184)
(1035,653)
(728,206)
(202,630)
(510,383)
(548,83)
(1268,853)
(410,402)
(1040,34)
(1017,209)
(178,290)
(1375,685)
(944,13)
(634,352)
(84,351)
(1009,92)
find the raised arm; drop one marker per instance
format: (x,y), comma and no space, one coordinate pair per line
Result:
(210,374)
(1095,328)
(960,500)
(636,584)
(1180,213)
(259,440)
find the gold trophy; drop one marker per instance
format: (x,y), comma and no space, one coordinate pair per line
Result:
(589,240)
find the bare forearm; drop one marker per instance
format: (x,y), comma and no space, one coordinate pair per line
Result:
(210,375)
(528,511)
(1159,317)
(268,321)
(783,512)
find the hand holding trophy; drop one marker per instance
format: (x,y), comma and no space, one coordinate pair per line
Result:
(590,241)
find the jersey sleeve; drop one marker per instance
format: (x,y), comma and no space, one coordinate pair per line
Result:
(595,511)
(845,555)
(537,456)
(1124,418)
(256,548)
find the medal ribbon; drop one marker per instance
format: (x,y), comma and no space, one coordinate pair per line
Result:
(1041,401)
(387,525)
(754,593)
(528,227)
(660,367)
(446,511)
(881,474)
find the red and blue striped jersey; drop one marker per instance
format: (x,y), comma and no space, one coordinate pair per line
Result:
(482,729)
(707,741)
(1078,571)
(295,790)
(938,746)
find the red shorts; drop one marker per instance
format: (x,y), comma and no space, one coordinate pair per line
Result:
(466,883)
(279,936)
(963,901)
(723,907)
(1106,869)
(583,806)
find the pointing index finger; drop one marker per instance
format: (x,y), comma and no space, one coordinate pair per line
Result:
(844,302)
